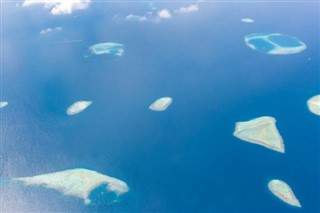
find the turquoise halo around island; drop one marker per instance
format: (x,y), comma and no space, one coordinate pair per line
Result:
(274,43)
(107,48)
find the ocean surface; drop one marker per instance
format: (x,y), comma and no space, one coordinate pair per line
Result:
(184,159)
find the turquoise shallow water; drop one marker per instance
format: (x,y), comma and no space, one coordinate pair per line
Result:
(286,41)
(184,159)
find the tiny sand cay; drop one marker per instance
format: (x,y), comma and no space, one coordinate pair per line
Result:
(78,107)
(314,104)
(261,131)
(76,183)
(283,192)
(3,104)
(161,104)
(247,20)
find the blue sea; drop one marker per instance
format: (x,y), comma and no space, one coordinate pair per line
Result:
(184,159)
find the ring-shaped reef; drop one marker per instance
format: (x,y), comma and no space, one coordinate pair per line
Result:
(107,48)
(274,43)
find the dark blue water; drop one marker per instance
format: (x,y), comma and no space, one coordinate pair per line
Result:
(184,159)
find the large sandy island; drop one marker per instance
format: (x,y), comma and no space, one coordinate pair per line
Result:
(76,182)
(262,131)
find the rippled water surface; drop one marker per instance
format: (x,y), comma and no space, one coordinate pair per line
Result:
(184,157)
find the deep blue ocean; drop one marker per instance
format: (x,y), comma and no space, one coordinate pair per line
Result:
(184,159)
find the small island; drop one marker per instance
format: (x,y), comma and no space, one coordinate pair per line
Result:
(314,104)
(283,192)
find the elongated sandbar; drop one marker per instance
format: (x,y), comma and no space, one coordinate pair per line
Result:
(247,20)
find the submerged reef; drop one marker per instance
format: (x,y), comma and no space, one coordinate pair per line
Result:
(78,107)
(77,183)
(161,104)
(261,131)
(283,192)
(107,48)
(274,43)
